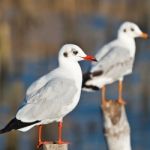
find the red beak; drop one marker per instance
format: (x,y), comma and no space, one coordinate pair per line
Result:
(90,58)
(144,35)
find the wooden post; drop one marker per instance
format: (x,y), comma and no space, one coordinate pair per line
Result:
(116,126)
(55,147)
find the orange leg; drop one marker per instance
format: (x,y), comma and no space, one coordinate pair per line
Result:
(104,101)
(60,126)
(40,142)
(120,89)
(60,141)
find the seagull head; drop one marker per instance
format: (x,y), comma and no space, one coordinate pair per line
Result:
(131,30)
(74,53)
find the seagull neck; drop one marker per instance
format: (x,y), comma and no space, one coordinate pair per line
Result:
(72,68)
(129,43)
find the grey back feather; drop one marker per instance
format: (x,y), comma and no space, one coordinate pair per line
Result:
(48,101)
(115,63)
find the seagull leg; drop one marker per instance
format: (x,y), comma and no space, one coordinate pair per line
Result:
(104,101)
(39,136)
(60,126)
(120,98)
(40,142)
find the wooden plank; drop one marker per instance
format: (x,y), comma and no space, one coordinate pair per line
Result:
(55,147)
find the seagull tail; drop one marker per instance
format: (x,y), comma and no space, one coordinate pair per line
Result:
(15,124)
(87,77)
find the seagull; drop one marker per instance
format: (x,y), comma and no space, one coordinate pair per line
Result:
(52,96)
(115,60)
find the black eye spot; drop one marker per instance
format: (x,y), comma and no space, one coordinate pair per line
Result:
(132,29)
(75,52)
(65,54)
(124,30)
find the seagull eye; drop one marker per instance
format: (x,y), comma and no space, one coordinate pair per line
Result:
(132,29)
(75,52)
(65,54)
(124,30)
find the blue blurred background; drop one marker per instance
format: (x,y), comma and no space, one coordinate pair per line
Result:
(31,34)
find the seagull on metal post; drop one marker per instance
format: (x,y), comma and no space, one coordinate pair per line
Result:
(115,60)
(53,96)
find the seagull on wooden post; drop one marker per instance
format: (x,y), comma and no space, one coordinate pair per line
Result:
(115,60)
(53,96)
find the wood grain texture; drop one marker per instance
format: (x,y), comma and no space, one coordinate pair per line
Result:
(55,147)
(116,126)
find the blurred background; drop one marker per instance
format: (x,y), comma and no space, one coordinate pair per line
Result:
(31,34)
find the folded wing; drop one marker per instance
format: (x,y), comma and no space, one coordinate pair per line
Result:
(114,64)
(48,101)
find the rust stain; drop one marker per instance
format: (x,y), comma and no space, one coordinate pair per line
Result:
(113,110)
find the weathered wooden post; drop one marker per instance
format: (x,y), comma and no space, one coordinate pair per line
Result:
(116,126)
(55,147)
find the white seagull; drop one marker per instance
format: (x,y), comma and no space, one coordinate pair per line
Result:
(115,60)
(53,96)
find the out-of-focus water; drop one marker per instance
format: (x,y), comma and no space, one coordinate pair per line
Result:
(84,126)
